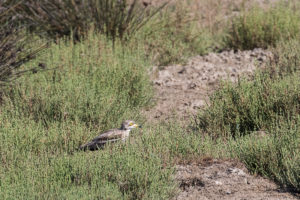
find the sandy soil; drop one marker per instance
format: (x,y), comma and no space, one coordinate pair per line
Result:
(226,180)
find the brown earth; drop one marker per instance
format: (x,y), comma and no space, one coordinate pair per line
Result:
(226,180)
(183,89)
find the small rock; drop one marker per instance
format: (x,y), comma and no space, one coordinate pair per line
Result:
(183,70)
(228,192)
(192,86)
(218,183)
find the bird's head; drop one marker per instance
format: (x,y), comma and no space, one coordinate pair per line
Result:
(129,125)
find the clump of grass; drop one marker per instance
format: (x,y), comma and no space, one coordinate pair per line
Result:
(275,155)
(55,18)
(121,19)
(258,28)
(114,18)
(250,106)
(14,46)
(286,58)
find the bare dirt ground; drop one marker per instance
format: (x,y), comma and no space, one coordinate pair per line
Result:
(183,90)
(225,180)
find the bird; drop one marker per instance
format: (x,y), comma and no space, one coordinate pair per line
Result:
(110,136)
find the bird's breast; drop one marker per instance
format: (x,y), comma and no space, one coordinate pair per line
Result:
(126,134)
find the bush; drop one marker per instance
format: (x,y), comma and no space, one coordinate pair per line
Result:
(286,58)
(14,46)
(259,28)
(250,106)
(114,18)
(276,156)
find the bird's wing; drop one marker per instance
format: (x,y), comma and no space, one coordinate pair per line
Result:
(112,135)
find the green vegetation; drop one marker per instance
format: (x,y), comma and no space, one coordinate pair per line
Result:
(263,117)
(260,28)
(275,155)
(87,81)
(286,58)
(96,83)
(46,116)
(251,106)
(35,164)
(173,35)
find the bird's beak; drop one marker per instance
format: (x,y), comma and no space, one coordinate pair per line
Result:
(137,126)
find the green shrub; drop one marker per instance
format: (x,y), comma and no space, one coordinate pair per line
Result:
(276,156)
(88,82)
(260,28)
(286,58)
(250,106)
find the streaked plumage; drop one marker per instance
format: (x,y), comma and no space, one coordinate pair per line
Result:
(112,135)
